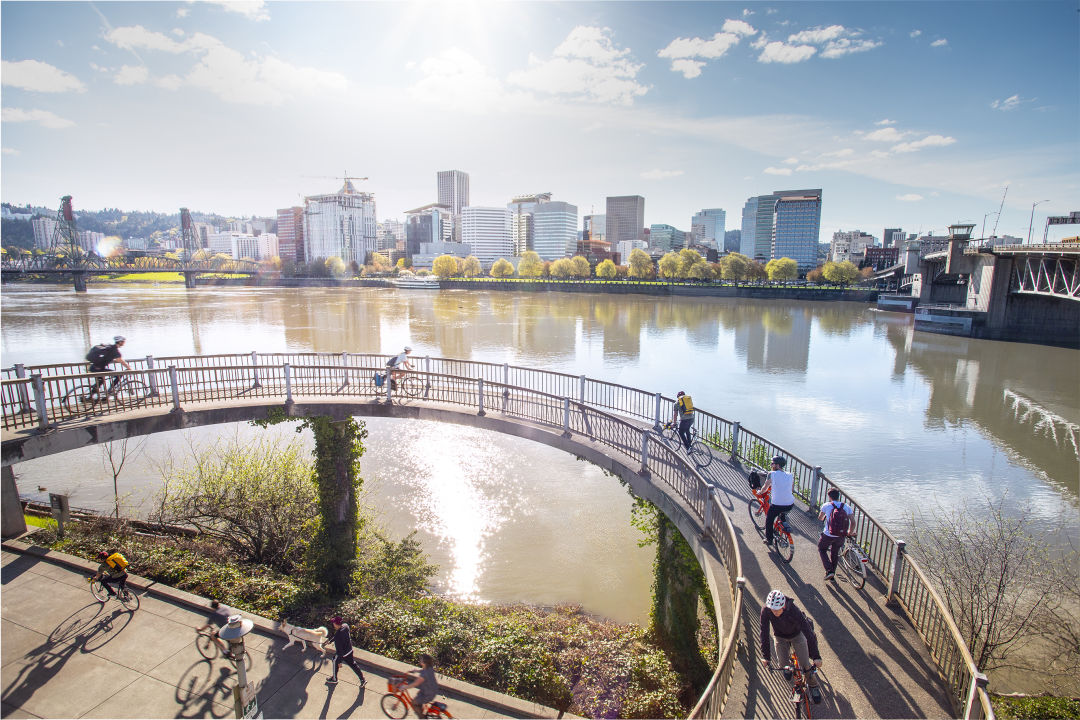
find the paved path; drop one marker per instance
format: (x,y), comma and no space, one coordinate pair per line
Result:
(65,655)
(874,664)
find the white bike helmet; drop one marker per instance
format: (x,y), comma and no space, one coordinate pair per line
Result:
(118,339)
(776,600)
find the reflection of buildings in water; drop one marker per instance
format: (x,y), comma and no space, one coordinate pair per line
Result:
(898,329)
(543,328)
(334,320)
(779,340)
(1064,434)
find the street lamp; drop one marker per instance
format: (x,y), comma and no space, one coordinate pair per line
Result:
(982,234)
(1032,220)
(243,695)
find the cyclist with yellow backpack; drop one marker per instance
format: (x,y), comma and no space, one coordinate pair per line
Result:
(684,413)
(113,569)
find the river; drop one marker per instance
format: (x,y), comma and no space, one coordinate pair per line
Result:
(905,421)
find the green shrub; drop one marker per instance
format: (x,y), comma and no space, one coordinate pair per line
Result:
(1033,707)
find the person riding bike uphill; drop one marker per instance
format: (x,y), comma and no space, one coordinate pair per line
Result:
(793,631)
(837,516)
(426,684)
(111,570)
(100,358)
(683,411)
(396,366)
(782,485)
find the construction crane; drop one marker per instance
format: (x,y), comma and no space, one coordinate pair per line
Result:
(993,233)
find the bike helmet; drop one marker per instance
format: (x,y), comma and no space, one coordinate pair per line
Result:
(119,339)
(680,394)
(778,460)
(776,600)
(408,349)
(102,554)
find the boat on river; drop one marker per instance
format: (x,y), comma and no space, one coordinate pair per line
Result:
(420,282)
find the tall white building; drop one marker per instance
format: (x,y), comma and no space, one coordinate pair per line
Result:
(44,229)
(487,231)
(555,230)
(268,246)
(454,194)
(236,245)
(625,247)
(341,225)
(850,245)
(521,210)
(707,228)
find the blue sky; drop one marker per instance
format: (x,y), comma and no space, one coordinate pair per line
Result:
(906,114)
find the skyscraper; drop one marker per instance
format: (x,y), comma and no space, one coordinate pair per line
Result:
(487,231)
(707,228)
(521,210)
(340,224)
(555,230)
(797,226)
(454,194)
(665,239)
(757,228)
(625,218)
(887,239)
(290,222)
(432,223)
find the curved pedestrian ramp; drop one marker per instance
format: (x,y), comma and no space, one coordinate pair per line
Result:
(890,649)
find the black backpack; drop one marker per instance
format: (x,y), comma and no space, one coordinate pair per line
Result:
(98,353)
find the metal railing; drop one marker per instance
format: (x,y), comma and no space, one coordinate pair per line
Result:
(34,396)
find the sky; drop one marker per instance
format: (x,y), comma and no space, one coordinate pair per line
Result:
(912,114)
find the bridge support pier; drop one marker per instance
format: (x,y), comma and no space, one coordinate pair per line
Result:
(12,518)
(678,589)
(189,279)
(79,278)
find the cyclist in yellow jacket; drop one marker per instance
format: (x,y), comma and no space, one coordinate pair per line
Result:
(684,413)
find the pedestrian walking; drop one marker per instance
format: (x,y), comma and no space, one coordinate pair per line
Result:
(343,651)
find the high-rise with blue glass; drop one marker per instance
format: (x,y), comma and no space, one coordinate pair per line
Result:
(797,226)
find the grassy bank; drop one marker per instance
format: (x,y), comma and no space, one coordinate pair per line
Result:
(562,658)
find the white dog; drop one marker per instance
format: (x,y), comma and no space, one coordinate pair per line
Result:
(316,637)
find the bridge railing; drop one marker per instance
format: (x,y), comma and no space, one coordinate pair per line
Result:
(35,396)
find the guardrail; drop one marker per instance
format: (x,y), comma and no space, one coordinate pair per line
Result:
(35,396)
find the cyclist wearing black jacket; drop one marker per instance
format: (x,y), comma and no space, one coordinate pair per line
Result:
(794,631)
(100,363)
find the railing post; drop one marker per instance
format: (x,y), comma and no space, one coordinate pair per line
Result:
(389,382)
(344,368)
(656,414)
(255,368)
(734,441)
(581,390)
(815,486)
(175,388)
(710,503)
(427,378)
(39,400)
(644,470)
(894,576)
(506,386)
(480,395)
(288,384)
(24,397)
(566,417)
(151,376)
(973,709)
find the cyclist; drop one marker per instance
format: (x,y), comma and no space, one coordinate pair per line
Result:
(782,485)
(837,516)
(794,631)
(395,364)
(111,570)
(427,687)
(101,357)
(683,411)
(218,615)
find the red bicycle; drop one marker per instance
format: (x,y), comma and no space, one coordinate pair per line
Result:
(782,540)
(800,690)
(396,703)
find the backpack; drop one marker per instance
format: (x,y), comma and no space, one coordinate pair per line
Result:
(117,561)
(98,353)
(379,380)
(754,479)
(686,405)
(838,520)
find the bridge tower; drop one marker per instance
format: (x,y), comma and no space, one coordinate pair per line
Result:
(192,244)
(65,240)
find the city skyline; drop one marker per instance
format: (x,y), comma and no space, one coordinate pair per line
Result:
(242,108)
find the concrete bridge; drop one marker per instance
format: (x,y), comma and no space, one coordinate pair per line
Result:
(890,650)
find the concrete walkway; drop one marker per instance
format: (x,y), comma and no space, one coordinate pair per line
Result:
(874,664)
(65,655)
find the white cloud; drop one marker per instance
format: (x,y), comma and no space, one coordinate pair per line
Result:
(689,68)
(586,66)
(915,33)
(886,121)
(131,75)
(44,118)
(909,197)
(455,79)
(836,40)
(251,9)
(182,12)
(711,49)
(940,42)
(791,161)
(846,46)
(816,36)
(39,77)
(777,171)
(170,82)
(928,141)
(657,174)
(1010,103)
(9,151)
(137,37)
(778,52)
(845,152)
(747,12)
(886,134)
(738,27)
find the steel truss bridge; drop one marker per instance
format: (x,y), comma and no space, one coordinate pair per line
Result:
(94,264)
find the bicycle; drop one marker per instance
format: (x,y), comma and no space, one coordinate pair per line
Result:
(853,561)
(782,540)
(129,392)
(800,690)
(396,703)
(127,598)
(699,452)
(210,646)
(409,384)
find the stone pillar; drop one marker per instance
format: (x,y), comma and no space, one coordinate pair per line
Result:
(189,279)
(13,521)
(677,589)
(1000,278)
(79,277)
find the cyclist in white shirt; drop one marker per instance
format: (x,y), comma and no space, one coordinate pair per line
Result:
(397,365)
(782,485)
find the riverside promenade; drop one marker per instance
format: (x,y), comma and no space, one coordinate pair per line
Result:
(65,655)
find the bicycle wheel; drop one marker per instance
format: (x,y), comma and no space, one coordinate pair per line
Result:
(207,645)
(74,401)
(700,453)
(802,704)
(394,707)
(670,434)
(97,589)
(757,514)
(129,599)
(784,544)
(411,386)
(854,567)
(131,393)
